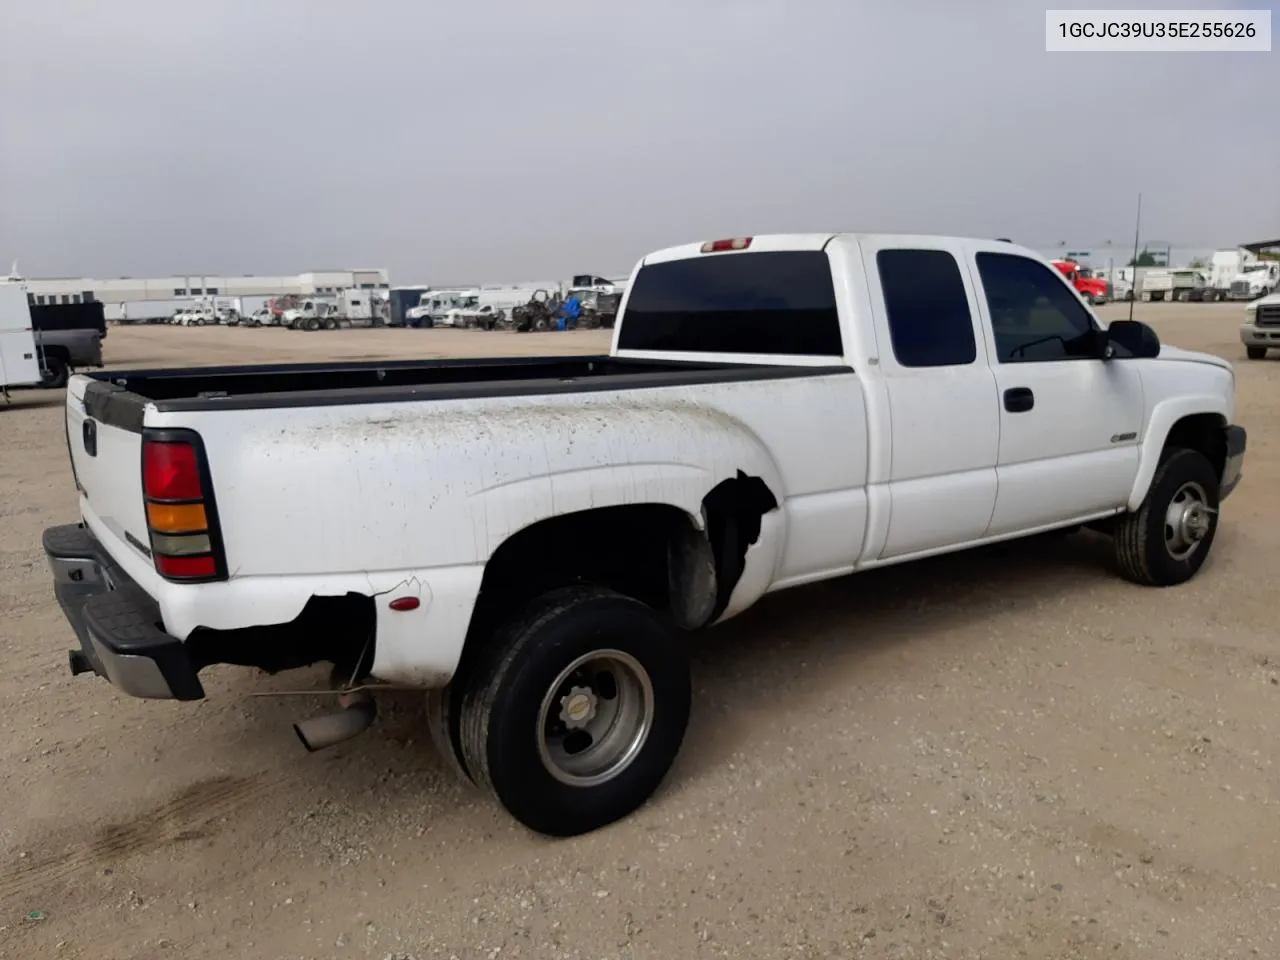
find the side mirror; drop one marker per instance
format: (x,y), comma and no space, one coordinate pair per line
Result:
(1132,338)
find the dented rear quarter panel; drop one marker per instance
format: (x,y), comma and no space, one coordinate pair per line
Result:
(415,485)
(412,498)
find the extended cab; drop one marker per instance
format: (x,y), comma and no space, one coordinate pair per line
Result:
(529,538)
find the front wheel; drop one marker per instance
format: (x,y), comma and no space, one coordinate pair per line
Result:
(576,711)
(1166,540)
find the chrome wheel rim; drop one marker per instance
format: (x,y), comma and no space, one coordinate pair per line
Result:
(1187,521)
(595,718)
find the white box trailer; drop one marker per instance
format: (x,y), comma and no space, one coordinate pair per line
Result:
(1183,283)
(19,358)
(1223,268)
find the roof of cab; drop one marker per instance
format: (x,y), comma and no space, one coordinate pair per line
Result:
(812,241)
(764,242)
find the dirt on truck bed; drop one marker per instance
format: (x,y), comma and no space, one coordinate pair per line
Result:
(1012,753)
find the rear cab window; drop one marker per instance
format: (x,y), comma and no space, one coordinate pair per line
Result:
(780,303)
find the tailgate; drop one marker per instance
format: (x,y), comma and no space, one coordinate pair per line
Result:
(107,461)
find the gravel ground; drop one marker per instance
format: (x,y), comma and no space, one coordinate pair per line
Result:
(1008,753)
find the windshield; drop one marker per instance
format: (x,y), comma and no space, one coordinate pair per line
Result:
(1253,267)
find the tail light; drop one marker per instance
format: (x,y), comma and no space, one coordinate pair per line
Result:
(181,518)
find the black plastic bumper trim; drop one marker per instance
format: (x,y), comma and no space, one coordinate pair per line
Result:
(117,623)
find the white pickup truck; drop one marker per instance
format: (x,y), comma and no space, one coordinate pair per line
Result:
(1261,328)
(530,538)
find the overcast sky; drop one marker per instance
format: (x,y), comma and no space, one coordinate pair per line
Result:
(498,140)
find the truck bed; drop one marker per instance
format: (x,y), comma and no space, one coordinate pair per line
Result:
(120,397)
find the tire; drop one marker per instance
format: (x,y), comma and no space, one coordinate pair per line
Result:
(330,323)
(1255,353)
(444,723)
(516,745)
(311,323)
(55,374)
(1144,553)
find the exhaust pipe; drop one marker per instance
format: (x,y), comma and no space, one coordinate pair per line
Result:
(355,717)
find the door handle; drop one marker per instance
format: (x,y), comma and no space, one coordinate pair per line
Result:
(1019,399)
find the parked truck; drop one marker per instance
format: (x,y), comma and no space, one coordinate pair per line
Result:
(311,313)
(68,336)
(1223,268)
(1181,284)
(1260,331)
(529,538)
(1093,288)
(1257,279)
(19,358)
(400,300)
(349,308)
(434,306)
(1241,275)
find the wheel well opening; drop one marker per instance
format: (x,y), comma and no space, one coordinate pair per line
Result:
(1202,432)
(655,553)
(56,350)
(634,549)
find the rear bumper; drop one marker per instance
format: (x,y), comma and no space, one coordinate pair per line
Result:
(1233,468)
(118,625)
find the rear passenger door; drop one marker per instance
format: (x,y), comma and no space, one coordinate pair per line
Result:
(942,395)
(1069,421)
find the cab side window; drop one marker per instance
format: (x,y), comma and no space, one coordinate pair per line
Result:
(1035,317)
(928,311)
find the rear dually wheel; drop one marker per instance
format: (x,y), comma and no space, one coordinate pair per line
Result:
(576,710)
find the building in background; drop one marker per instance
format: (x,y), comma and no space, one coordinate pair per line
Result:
(123,290)
(1263,249)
